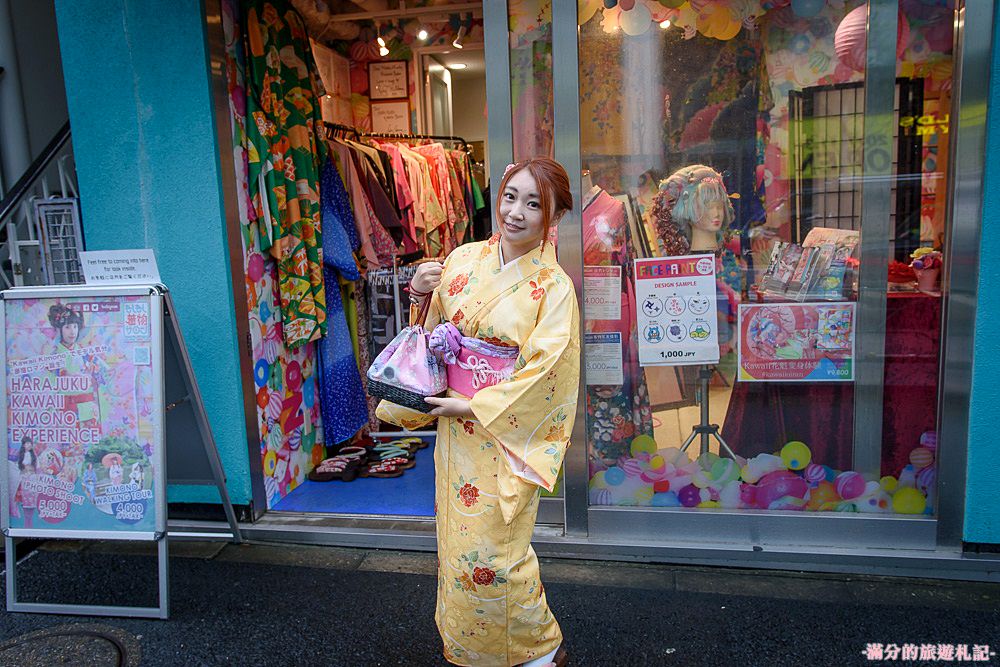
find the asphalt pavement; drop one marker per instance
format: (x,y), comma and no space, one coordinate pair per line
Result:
(277,604)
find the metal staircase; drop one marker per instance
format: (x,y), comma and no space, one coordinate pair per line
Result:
(40,231)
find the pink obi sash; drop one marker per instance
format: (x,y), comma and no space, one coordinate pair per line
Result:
(472,364)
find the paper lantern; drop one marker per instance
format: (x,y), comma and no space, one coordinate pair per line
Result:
(635,21)
(850,41)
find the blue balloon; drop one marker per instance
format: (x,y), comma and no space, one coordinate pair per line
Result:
(807,8)
(614,476)
(667,499)
(610,4)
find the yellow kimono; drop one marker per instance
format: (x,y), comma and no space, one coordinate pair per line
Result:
(491,607)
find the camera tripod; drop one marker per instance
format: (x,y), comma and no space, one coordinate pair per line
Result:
(704,429)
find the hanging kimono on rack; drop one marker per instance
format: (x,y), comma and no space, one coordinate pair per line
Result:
(342,399)
(615,413)
(285,151)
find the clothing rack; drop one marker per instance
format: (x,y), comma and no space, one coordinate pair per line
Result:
(407,135)
(348,129)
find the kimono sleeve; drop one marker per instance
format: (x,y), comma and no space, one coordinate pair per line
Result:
(532,413)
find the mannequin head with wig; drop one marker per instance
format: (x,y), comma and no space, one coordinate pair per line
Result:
(691,209)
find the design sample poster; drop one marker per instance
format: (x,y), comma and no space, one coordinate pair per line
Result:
(796,342)
(676,310)
(81,415)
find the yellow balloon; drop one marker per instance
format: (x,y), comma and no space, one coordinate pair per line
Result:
(888,483)
(796,455)
(908,501)
(657,463)
(643,443)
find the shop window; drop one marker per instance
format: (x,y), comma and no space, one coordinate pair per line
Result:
(735,134)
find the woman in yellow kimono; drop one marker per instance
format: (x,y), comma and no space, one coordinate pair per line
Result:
(503,440)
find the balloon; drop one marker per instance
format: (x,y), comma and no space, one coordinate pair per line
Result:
(796,455)
(635,21)
(760,465)
(661,486)
(689,496)
(587,9)
(888,483)
(779,484)
(850,484)
(657,463)
(921,457)
(642,443)
(610,4)
(614,476)
(814,473)
(908,500)
(626,5)
(668,499)
(807,8)
(823,497)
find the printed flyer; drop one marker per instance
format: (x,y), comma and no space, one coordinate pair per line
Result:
(80,414)
(796,342)
(676,310)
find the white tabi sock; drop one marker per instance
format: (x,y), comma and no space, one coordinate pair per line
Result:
(544,660)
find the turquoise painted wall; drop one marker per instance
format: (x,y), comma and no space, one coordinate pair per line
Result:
(982,504)
(137,82)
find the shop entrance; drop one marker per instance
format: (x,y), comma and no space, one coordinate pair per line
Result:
(400,89)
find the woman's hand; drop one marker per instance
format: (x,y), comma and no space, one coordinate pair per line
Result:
(450,407)
(427,277)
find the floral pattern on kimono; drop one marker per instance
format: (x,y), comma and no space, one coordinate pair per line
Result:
(490,468)
(285,151)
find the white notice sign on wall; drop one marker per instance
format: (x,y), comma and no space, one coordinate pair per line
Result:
(120,267)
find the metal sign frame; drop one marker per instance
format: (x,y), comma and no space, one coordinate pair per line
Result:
(164,331)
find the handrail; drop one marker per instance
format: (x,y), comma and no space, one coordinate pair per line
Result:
(33,171)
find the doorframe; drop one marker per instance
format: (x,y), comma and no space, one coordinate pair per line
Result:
(420,85)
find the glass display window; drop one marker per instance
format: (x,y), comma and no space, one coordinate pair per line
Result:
(764,214)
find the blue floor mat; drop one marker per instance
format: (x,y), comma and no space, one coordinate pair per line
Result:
(409,495)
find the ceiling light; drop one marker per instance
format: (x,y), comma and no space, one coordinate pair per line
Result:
(422,35)
(458,38)
(665,24)
(379,38)
(383,51)
(457,66)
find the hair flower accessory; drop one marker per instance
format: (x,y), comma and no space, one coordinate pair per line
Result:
(507,169)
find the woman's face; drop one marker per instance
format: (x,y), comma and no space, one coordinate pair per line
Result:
(521,220)
(711,219)
(69,332)
(29,445)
